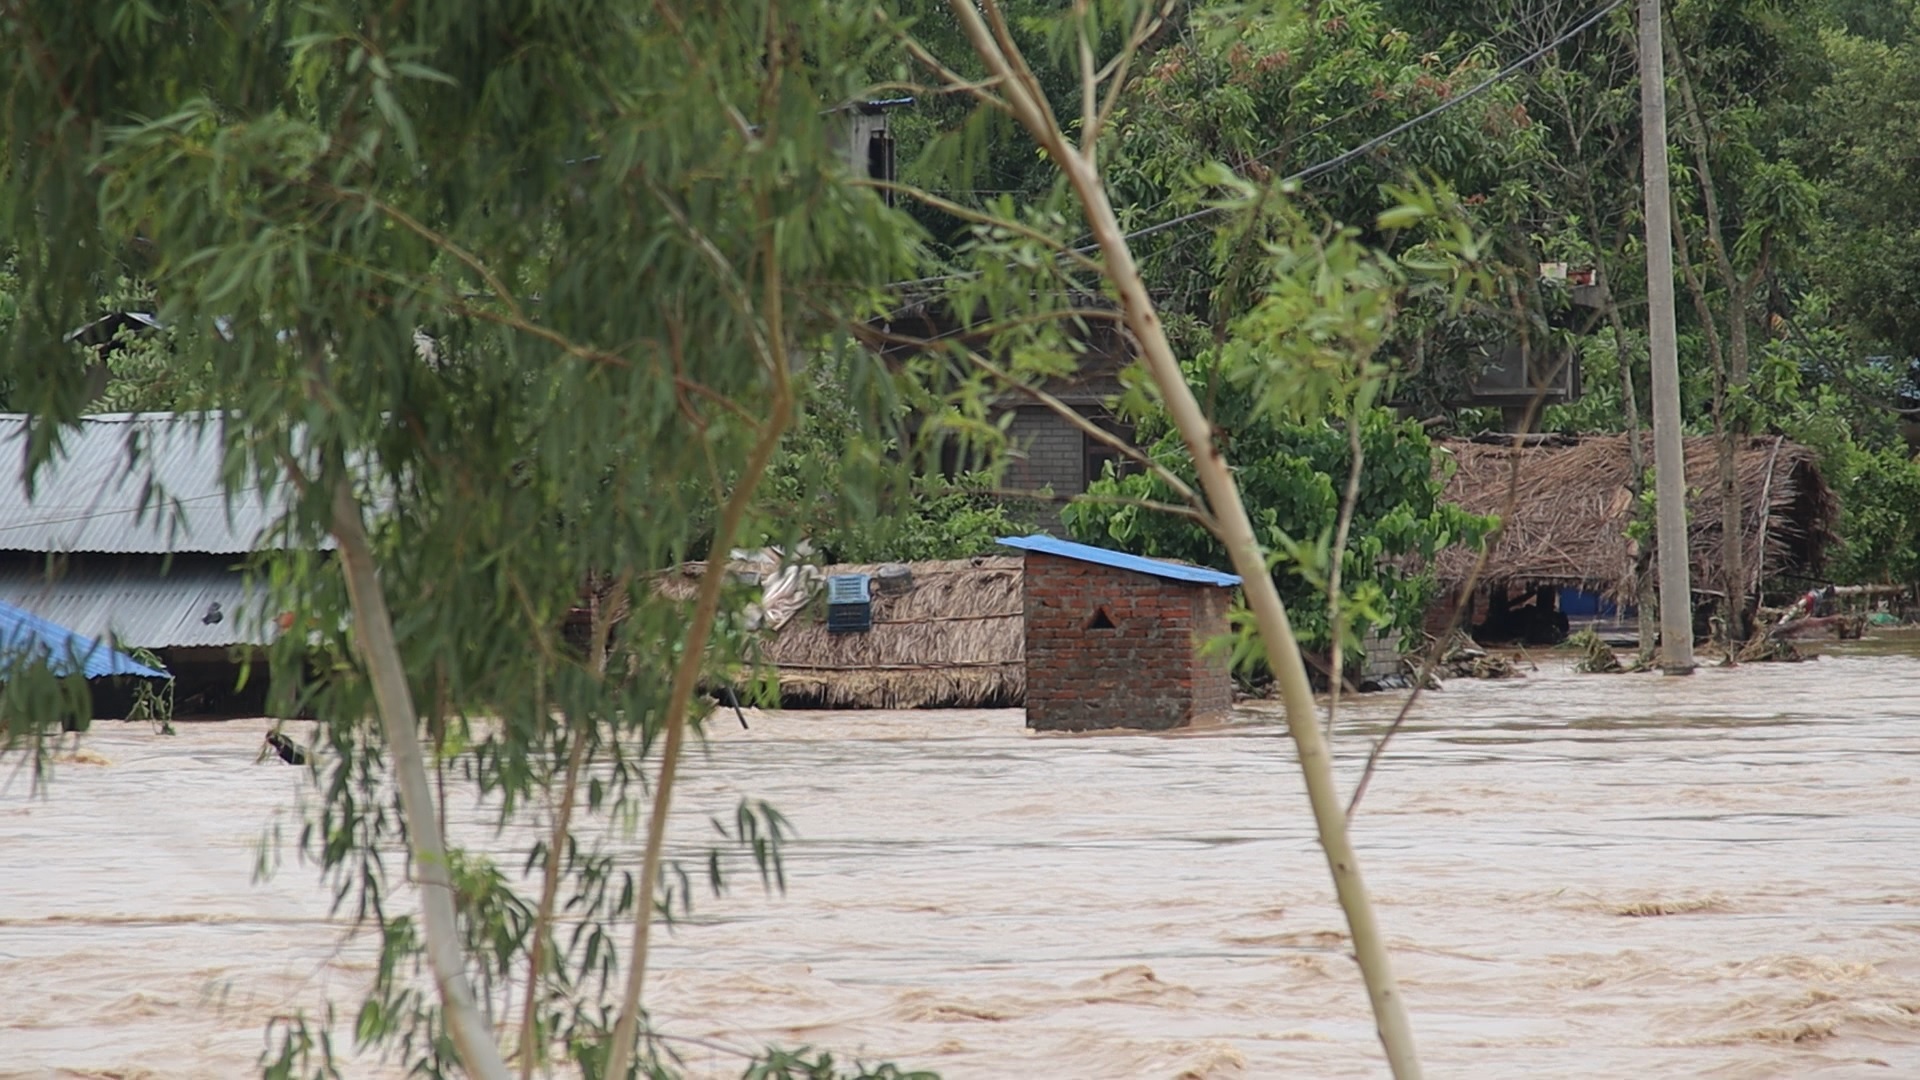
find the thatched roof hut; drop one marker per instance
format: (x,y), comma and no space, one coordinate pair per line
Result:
(955,639)
(1571,506)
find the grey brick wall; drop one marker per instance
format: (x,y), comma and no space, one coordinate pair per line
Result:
(1051,452)
(1383,656)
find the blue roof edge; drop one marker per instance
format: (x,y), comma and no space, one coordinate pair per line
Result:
(1120,560)
(26,637)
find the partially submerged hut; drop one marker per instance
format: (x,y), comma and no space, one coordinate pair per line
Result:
(943,634)
(1566,507)
(951,637)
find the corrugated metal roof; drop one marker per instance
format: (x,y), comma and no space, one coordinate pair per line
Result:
(141,608)
(1160,568)
(95,496)
(28,638)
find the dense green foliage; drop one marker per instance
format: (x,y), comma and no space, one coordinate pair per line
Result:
(1292,476)
(549,289)
(856,493)
(1789,121)
(525,281)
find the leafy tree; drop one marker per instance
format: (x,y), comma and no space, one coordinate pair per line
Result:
(511,298)
(1867,250)
(1275,97)
(1288,472)
(857,493)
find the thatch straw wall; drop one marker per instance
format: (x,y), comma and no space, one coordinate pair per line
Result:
(956,639)
(1572,505)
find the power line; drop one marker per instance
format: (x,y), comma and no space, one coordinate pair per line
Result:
(1321,168)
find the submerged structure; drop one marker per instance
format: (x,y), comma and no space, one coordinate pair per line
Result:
(943,634)
(128,535)
(1567,511)
(1120,641)
(928,635)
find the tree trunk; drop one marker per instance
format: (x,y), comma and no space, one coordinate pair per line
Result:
(1235,529)
(1729,421)
(1732,576)
(373,633)
(686,673)
(1646,597)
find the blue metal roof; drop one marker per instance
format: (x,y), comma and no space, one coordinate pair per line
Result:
(1160,568)
(28,638)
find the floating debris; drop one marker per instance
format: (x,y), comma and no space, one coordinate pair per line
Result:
(1596,657)
(288,750)
(1465,660)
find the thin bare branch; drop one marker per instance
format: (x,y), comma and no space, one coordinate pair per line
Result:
(1018,68)
(981,217)
(1235,530)
(1431,661)
(954,82)
(444,243)
(686,673)
(1089,85)
(729,276)
(605,614)
(1117,69)
(1336,662)
(1041,495)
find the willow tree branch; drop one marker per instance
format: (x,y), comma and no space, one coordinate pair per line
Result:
(1072,416)
(1031,92)
(693,651)
(1089,85)
(968,213)
(954,82)
(1148,24)
(603,619)
(1235,531)
(373,633)
(1040,495)
(1336,663)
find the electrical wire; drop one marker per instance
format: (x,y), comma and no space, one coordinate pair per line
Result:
(1321,168)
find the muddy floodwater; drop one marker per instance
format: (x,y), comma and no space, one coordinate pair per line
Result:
(1579,876)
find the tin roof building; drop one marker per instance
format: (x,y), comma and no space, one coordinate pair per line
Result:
(127,534)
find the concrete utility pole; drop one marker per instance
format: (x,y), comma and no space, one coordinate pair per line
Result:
(1669,456)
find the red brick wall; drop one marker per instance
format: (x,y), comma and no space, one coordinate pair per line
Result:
(1212,657)
(1147,672)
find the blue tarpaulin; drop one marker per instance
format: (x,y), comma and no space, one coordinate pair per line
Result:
(28,638)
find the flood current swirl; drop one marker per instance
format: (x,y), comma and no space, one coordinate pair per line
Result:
(1580,876)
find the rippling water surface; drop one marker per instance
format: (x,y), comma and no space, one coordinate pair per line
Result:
(1580,876)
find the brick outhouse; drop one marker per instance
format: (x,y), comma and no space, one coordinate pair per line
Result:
(1118,640)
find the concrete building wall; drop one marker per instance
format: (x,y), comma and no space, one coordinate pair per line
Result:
(1145,670)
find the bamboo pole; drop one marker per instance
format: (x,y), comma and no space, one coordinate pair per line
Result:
(1234,527)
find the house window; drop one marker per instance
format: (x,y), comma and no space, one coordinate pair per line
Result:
(880,160)
(1097,454)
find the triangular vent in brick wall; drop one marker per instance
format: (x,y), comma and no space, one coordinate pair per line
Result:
(1101,620)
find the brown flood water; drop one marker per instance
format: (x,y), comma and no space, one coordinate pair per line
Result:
(1580,876)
